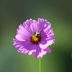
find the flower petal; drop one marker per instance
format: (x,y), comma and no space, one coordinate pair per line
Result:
(27,25)
(38,49)
(47,37)
(49,50)
(34,26)
(44,46)
(22,34)
(22,46)
(43,52)
(42,23)
(31,52)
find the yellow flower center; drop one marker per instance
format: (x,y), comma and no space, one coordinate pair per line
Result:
(35,38)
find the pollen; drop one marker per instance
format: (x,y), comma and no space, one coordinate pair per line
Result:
(35,38)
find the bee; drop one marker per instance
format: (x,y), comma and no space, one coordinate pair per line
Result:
(37,34)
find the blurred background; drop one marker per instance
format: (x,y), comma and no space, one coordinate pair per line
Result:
(14,12)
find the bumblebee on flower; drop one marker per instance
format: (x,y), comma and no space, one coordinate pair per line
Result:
(34,37)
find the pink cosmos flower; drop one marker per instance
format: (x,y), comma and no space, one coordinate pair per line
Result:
(34,37)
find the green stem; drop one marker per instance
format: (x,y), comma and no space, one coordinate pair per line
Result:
(39,65)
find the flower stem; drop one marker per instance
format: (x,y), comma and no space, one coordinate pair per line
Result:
(39,65)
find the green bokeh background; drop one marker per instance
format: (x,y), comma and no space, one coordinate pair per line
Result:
(14,12)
